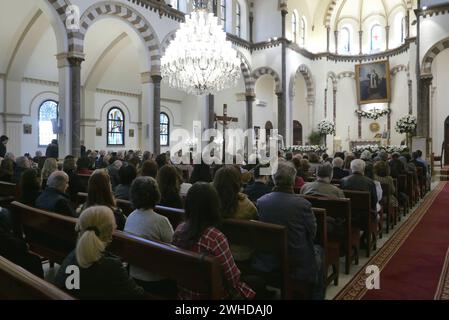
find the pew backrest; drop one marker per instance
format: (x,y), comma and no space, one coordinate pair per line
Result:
(17,283)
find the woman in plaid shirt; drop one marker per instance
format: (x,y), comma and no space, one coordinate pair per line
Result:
(199,234)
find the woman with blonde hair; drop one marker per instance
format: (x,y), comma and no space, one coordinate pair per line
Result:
(101,274)
(50,166)
(99,193)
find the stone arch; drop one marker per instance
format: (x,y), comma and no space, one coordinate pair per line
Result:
(307,74)
(256,74)
(431,54)
(124,13)
(331,75)
(167,40)
(246,72)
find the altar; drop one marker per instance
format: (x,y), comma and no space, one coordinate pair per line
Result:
(360,142)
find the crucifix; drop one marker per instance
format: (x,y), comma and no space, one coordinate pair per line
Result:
(225,121)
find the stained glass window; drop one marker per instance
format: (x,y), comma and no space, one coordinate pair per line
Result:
(376,38)
(165,129)
(48,114)
(116,127)
(223,13)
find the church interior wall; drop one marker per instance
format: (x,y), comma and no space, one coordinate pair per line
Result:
(265,107)
(266,11)
(433,30)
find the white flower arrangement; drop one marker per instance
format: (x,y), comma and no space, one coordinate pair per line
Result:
(305,149)
(326,127)
(406,124)
(374,115)
(375,148)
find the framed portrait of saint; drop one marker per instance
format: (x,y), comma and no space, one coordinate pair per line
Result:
(373,82)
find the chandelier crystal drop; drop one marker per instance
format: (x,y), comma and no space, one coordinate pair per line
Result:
(199,60)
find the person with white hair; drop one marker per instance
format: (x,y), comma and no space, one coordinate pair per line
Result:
(102,275)
(338,172)
(284,207)
(54,197)
(22,164)
(359,182)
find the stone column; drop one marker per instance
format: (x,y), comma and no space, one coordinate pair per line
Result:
(325,103)
(249,110)
(64,138)
(387,37)
(284,14)
(75,78)
(336,41)
(359,124)
(361,42)
(410,97)
(211,109)
(328,38)
(281,115)
(407,24)
(147,107)
(335,105)
(156,113)
(424,106)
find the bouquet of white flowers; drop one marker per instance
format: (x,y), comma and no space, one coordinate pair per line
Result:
(305,149)
(406,124)
(375,148)
(326,127)
(374,115)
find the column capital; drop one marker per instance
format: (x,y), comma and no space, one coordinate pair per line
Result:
(75,61)
(250,97)
(426,78)
(156,78)
(279,94)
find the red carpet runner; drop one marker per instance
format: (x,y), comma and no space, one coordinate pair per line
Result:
(414,262)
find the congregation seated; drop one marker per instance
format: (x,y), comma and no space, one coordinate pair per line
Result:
(381,175)
(259,187)
(367,157)
(6,170)
(200,173)
(338,171)
(162,160)
(127,174)
(303,169)
(102,274)
(170,186)
(30,187)
(358,182)
(75,185)
(99,193)
(419,163)
(50,166)
(37,156)
(145,223)
(83,166)
(113,169)
(184,184)
(322,186)
(200,234)
(369,173)
(397,167)
(99,162)
(15,249)
(22,164)
(54,197)
(299,180)
(234,204)
(149,168)
(284,207)
(314,162)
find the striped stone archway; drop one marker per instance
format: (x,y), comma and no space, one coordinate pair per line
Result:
(125,13)
(310,84)
(431,54)
(259,72)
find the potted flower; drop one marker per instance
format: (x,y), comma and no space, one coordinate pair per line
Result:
(325,128)
(407,125)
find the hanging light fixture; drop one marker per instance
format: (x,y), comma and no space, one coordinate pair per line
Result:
(199,60)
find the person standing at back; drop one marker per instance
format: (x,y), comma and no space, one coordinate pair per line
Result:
(3,142)
(52,150)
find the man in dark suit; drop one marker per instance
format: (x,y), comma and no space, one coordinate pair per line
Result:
(284,207)
(54,198)
(358,182)
(397,167)
(259,187)
(3,142)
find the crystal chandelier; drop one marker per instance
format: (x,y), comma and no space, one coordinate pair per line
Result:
(199,60)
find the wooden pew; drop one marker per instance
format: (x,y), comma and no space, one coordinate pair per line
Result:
(388,210)
(175,216)
(53,236)
(361,202)
(267,238)
(8,193)
(403,187)
(422,181)
(17,283)
(340,209)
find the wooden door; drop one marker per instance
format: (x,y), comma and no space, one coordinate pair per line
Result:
(297,133)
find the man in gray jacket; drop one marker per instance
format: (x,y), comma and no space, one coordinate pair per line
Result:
(322,186)
(284,207)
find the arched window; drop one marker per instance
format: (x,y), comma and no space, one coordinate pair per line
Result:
(302,36)
(165,129)
(376,38)
(238,20)
(345,40)
(294,26)
(223,13)
(116,127)
(175,4)
(48,115)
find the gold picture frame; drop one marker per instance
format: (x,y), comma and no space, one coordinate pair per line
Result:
(373,82)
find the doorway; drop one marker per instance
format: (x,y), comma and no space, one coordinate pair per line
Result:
(297,133)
